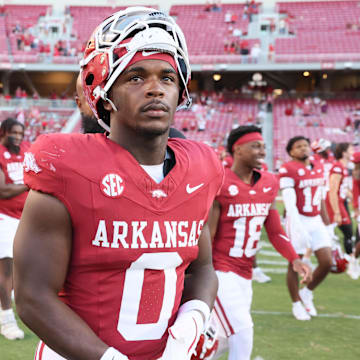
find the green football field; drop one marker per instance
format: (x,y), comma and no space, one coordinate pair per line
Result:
(334,334)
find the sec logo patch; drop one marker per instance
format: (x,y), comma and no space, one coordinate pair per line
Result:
(233,190)
(112,185)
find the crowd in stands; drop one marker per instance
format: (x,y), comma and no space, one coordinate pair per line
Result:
(337,120)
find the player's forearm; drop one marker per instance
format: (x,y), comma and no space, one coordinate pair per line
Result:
(10,190)
(201,284)
(277,236)
(289,199)
(334,202)
(324,214)
(58,326)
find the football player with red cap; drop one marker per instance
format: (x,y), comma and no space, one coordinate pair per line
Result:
(302,184)
(113,221)
(244,205)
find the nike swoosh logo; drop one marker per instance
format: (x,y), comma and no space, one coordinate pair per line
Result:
(267,189)
(148,53)
(190,190)
(284,237)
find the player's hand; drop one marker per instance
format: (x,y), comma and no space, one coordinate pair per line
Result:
(303,269)
(113,354)
(184,336)
(338,218)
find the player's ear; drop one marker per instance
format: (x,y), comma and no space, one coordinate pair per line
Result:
(106,105)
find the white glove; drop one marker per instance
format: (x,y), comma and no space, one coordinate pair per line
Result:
(113,354)
(184,336)
(185,333)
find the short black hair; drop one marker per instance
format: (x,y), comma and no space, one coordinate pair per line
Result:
(293,140)
(340,149)
(237,133)
(8,124)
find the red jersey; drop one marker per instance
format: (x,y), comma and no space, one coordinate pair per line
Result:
(132,238)
(338,168)
(308,184)
(244,209)
(228,161)
(12,167)
(327,165)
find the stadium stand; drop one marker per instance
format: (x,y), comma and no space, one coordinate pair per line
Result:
(4,53)
(207,31)
(219,119)
(322,31)
(330,125)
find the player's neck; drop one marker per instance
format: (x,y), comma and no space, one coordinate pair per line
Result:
(146,151)
(244,173)
(344,162)
(305,162)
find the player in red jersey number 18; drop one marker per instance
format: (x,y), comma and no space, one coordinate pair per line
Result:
(244,205)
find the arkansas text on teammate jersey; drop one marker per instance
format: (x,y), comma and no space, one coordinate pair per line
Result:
(244,210)
(126,274)
(12,167)
(308,185)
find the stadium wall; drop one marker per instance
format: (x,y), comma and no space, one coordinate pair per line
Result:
(162,4)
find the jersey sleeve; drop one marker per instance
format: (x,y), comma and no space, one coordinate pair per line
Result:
(44,168)
(336,170)
(286,178)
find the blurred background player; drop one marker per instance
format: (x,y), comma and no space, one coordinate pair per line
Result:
(245,204)
(354,266)
(13,193)
(302,184)
(139,189)
(335,201)
(89,122)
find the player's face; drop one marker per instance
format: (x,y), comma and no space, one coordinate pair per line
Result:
(347,155)
(15,135)
(300,150)
(146,95)
(253,154)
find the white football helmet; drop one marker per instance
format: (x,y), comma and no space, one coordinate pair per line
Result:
(115,42)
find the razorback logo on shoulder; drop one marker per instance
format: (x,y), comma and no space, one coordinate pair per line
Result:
(112,185)
(30,163)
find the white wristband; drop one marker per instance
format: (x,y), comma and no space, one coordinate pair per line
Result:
(113,354)
(198,305)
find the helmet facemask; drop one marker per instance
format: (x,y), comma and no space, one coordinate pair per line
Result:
(114,44)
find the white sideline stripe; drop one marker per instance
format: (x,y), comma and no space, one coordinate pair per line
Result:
(265,244)
(269,253)
(334,316)
(272,262)
(274,270)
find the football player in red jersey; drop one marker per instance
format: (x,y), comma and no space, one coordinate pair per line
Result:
(356,206)
(335,201)
(13,193)
(113,222)
(244,205)
(302,183)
